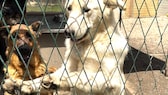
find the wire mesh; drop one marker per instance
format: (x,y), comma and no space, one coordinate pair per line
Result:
(144,24)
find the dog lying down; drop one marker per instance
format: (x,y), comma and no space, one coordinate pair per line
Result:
(24,59)
(95,52)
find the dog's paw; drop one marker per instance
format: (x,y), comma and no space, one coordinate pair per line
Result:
(27,88)
(47,83)
(9,86)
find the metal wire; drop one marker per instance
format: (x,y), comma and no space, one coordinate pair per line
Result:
(144,55)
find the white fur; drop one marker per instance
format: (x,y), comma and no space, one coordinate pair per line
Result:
(95,63)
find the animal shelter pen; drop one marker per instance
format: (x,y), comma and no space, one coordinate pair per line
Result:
(144,24)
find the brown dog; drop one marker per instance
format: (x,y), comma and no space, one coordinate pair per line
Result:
(24,59)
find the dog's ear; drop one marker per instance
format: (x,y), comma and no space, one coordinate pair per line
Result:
(36,25)
(115,4)
(4,31)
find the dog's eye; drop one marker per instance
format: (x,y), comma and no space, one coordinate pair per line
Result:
(69,8)
(15,35)
(85,9)
(28,34)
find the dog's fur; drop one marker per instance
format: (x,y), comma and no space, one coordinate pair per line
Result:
(95,51)
(11,14)
(24,59)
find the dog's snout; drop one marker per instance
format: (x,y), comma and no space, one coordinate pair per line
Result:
(69,34)
(25,52)
(24,47)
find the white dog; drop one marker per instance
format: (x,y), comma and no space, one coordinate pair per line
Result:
(95,50)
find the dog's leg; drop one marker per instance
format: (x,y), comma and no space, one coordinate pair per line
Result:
(40,70)
(26,87)
(83,81)
(88,82)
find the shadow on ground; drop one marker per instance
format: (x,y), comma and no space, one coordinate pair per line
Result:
(144,74)
(137,61)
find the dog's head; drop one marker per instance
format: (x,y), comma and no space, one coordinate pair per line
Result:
(12,11)
(85,17)
(21,40)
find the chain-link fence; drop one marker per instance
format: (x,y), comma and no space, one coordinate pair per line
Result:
(143,23)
